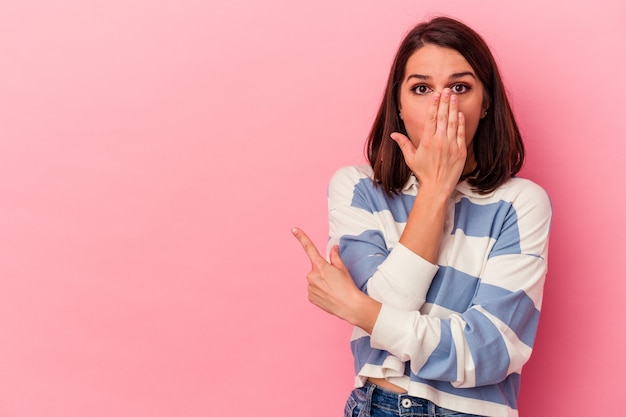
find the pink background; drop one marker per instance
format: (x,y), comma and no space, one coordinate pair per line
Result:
(155,154)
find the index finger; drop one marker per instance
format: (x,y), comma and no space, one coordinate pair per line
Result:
(431,115)
(443,113)
(308,246)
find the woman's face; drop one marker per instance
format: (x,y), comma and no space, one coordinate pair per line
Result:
(432,68)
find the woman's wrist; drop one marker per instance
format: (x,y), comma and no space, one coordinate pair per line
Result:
(422,232)
(435,196)
(363,312)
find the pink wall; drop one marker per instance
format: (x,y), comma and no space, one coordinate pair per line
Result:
(154,155)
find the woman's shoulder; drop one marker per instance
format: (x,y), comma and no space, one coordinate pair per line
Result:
(354,171)
(351,182)
(524,192)
(351,175)
(523,186)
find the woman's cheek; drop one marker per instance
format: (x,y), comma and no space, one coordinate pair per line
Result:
(471,127)
(414,134)
(414,129)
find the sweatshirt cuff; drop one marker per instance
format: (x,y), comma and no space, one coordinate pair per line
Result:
(403,279)
(390,329)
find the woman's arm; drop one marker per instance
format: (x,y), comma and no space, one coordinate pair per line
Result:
(364,223)
(437,159)
(484,344)
(357,221)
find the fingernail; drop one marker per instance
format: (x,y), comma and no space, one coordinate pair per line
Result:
(294,231)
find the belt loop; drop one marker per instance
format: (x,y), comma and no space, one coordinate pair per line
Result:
(432,409)
(368,399)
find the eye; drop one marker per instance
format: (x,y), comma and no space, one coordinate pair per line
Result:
(460,88)
(421,89)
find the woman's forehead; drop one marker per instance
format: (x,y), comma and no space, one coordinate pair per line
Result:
(437,61)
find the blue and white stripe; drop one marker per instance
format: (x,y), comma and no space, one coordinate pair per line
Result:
(459,332)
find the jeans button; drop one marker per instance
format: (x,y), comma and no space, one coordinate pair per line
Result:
(406,403)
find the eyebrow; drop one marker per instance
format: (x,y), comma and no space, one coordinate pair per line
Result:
(451,77)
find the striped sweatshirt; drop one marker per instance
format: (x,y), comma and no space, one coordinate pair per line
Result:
(456,333)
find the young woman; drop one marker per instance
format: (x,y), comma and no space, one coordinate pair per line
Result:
(437,251)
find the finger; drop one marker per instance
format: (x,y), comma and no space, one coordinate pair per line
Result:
(442,114)
(405,144)
(453,118)
(308,246)
(430,127)
(335,258)
(460,132)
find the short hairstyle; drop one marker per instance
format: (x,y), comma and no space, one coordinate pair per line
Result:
(497,145)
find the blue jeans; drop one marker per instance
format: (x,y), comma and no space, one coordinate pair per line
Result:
(371,401)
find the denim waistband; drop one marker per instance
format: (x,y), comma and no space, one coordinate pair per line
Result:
(403,405)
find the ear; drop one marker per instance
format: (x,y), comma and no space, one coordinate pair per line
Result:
(485,106)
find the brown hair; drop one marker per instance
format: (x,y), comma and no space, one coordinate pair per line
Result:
(498,148)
